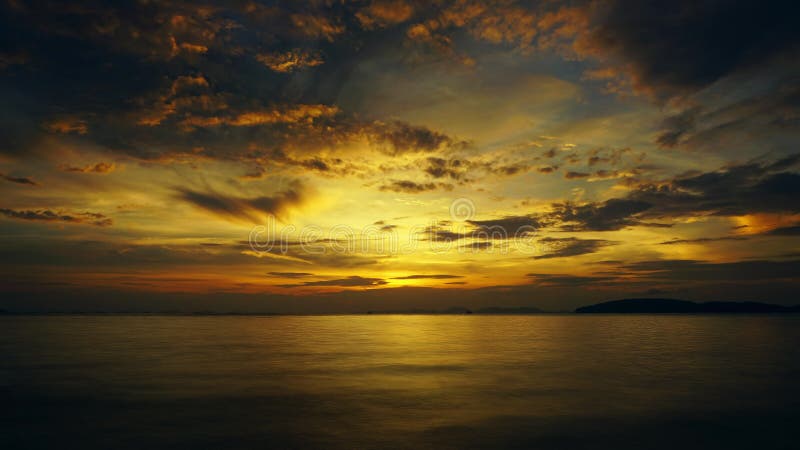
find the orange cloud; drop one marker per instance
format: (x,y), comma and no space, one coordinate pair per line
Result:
(183,94)
(316,27)
(301,113)
(385,12)
(762,223)
(100,167)
(291,60)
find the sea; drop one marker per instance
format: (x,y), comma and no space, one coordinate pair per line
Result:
(554,381)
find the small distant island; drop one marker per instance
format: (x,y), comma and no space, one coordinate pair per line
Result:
(673,306)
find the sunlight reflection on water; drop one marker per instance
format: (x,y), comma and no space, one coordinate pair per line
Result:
(549,381)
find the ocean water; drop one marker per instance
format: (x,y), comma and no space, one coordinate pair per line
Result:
(395,381)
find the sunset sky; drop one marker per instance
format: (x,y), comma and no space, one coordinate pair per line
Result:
(397,154)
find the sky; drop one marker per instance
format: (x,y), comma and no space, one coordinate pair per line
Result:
(344,156)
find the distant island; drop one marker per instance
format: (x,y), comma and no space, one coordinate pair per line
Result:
(667,305)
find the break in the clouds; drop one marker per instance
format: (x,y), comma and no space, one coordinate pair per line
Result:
(481,149)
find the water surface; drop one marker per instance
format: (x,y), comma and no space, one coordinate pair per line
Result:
(547,381)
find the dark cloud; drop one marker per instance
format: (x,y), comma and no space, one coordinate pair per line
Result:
(46,215)
(244,208)
(703,240)
(19,180)
(507,227)
(576,175)
(686,45)
(560,280)
(352,281)
(610,215)
(680,270)
(412,187)
(428,277)
(465,170)
(262,160)
(564,247)
(732,191)
(785,231)
(152,81)
(510,170)
(736,190)
(291,274)
(398,137)
(670,272)
(440,234)
(676,127)
(478,245)
(484,231)
(443,168)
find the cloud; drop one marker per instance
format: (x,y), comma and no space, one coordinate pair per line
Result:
(383,13)
(241,208)
(400,137)
(731,191)
(735,190)
(671,54)
(291,274)
(352,281)
(184,94)
(682,270)
(524,28)
(298,113)
(264,159)
(576,175)
(443,168)
(676,127)
(703,240)
(412,187)
(439,234)
(313,26)
(506,227)
(287,62)
(67,125)
(46,215)
(100,167)
(19,180)
(561,280)
(428,277)
(13,59)
(785,231)
(459,168)
(564,247)
(478,245)
(613,214)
